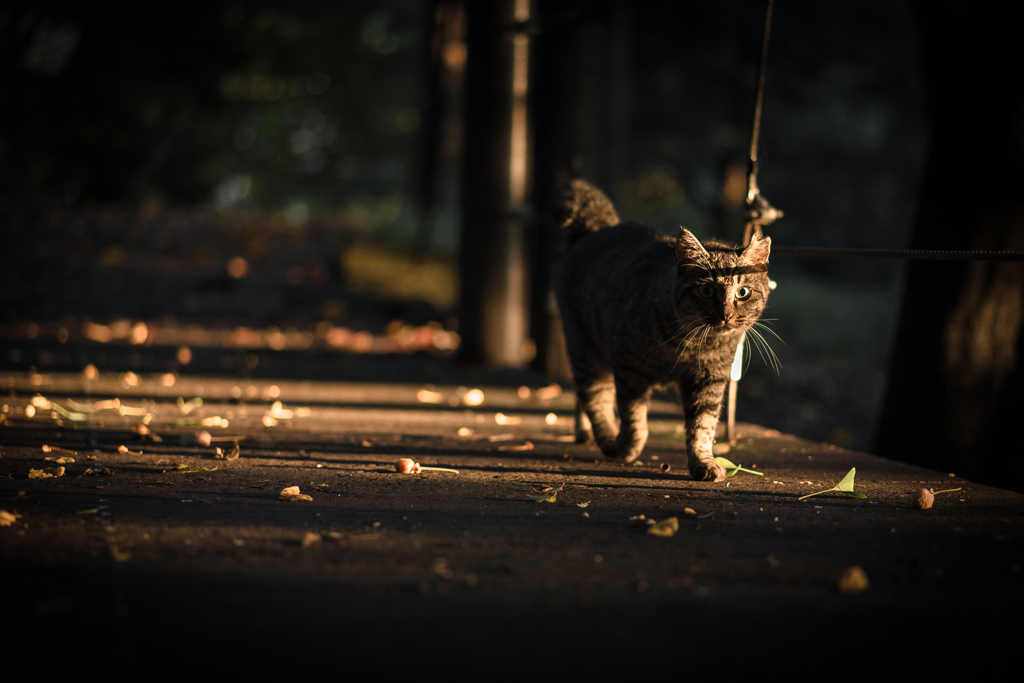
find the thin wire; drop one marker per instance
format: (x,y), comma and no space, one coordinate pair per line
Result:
(755,128)
(913,254)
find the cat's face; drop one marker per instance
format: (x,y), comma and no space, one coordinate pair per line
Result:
(719,286)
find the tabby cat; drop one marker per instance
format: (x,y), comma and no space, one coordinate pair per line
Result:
(641,309)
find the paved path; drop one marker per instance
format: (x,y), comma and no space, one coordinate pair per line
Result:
(168,546)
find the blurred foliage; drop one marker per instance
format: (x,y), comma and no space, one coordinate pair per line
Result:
(843,133)
(294,106)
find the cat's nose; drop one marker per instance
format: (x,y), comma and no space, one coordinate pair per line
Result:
(727,315)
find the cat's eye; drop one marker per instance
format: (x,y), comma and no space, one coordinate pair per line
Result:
(706,291)
(743,293)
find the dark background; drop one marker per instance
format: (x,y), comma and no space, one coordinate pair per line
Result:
(143,149)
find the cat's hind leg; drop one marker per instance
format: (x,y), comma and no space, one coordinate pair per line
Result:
(584,432)
(598,399)
(632,400)
(702,404)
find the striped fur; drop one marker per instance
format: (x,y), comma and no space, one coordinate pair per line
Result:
(639,310)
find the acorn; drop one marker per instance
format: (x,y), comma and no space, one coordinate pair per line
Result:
(407,466)
(923,499)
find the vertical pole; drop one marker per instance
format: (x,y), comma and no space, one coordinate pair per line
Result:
(495,185)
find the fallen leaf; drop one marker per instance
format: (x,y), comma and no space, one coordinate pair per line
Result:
(544,499)
(128,410)
(547,494)
(291,493)
(428,396)
(665,528)
(501,437)
(278,411)
(46,473)
(845,487)
(549,392)
(7,518)
(233,453)
(310,538)
(583,505)
(528,446)
(69,415)
(98,472)
(63,460)
(192,469)
(853,580)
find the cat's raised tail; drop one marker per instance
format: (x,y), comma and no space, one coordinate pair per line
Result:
(583,208)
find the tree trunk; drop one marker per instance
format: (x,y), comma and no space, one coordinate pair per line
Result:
(955,382)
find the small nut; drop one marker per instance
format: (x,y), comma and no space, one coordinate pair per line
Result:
(923,499)
(407,466)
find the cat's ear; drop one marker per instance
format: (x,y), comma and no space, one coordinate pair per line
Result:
(756,253)
(689,250)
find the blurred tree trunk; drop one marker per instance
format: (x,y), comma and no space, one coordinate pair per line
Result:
(580,109)
(493,311)
(955,382)
(442,115)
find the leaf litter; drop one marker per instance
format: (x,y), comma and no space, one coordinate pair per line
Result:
(732,468)
(844,487)
(548,494)
(292,494)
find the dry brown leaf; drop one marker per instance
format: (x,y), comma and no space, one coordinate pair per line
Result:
(501,437)
(428,396)
(528,446)
(46,473)
(665,528)
(549,392)
(7,518)
(291,493)
(853,580)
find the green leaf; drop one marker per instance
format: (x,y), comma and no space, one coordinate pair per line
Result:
(847,483)
(732,468)
(854,494)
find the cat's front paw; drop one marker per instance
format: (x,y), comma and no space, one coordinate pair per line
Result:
(706,470)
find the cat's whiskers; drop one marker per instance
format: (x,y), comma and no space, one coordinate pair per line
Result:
(696,331)
(764,349)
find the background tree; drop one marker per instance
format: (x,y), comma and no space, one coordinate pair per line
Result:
(955,386)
